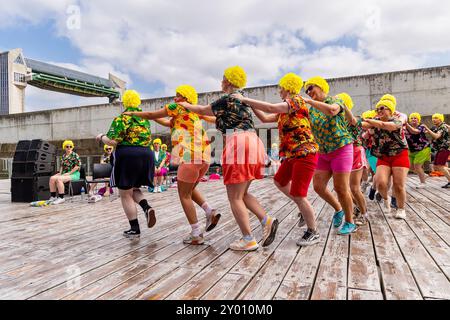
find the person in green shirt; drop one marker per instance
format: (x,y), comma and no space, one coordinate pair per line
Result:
(133,165)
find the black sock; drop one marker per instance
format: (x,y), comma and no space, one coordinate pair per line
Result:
(144,205)
(135,225)
(61,195)
(53,194)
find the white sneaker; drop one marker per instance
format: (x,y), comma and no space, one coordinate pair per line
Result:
(52,199)
(421,186)
(59,201)
(387,205)
(159,189)
(155,190)
(400,214)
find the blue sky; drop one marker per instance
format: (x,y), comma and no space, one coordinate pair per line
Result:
(156,45)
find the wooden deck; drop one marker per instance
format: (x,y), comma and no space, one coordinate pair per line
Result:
(76,251)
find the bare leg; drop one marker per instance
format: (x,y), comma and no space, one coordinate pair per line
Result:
(253,205)
(320,182)
(383,179)
(185,194)
(355,186)
(128,204)
(137,195)
(341,183)
(236,194)
(399,178)
(444,170)
(418,168)
(60,183)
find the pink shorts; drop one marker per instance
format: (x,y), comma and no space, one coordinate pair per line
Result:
(359,158)
(338,161)
(162,172)
(191,172)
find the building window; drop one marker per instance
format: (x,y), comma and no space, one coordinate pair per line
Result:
(19,77)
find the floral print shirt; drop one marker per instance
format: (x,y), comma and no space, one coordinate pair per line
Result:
(295,132)
(442,143)
(389,143)
(356,132)
(68,162)
(330,132)
(417,142)
(130,130)
(189,140)
(232,114)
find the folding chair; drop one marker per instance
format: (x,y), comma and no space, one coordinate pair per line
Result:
(81,181)
(101,174)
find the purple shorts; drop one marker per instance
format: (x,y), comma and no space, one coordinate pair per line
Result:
(338,161)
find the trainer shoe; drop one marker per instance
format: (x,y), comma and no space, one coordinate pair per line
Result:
(212,220)
(394,202)
(447,186)
(378,197)
(195,240)
(364,186)
(150,217)
(347,228)
(302,221)
(309,238)
(337,219)
(132,234)
(269,231)
(59,201)
(372,193)
(400,214)
(360,220)
(421,186)
(243,245)
(51,199)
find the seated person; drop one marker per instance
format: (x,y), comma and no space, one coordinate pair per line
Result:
(216,175)
(106,158)
(69,171)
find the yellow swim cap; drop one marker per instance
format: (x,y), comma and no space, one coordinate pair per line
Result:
(319,82)
(291,83)
(387,103)
(415,115)
(439,116)
(157,140)
(236,76)
(131,99)
(188,92)
(68,143)
(347,99)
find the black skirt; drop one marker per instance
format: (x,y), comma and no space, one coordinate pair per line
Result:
(133,167)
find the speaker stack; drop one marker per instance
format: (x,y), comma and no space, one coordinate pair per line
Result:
(33,164)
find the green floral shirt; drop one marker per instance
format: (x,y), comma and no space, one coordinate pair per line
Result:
(330,132)
(130,130)
(442,143)
(68,162)
(356,132)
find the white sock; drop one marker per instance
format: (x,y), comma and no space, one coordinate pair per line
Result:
(196,230)
(207,209)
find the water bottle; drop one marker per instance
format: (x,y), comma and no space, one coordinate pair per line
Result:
(82,193)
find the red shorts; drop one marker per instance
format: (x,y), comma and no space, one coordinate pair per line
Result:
(191,172)
(441,157)
(299,172)
(401,160)
(359,158)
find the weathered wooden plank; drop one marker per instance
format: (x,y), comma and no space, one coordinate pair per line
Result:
(398,281)
(354,294)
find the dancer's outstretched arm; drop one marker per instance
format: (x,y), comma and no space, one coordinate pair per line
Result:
(281,107)
(163,121)
(150,115)
(203,110)
(264,117)
(328,109)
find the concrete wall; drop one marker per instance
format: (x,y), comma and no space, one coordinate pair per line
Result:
(425,90)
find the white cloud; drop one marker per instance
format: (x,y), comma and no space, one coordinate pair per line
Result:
(192,41)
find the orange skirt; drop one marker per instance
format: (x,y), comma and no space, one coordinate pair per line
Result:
(243,157)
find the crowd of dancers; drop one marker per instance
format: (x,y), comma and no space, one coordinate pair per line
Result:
(320,139)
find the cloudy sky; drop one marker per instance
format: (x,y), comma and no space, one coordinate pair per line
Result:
(155,45)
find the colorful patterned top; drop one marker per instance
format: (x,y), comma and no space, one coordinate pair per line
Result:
(189,140)
(356,132)
(130,130)
(389,143)
(330,132)
(160,156)
(167,161)
(68,162)
(294,128)
(417,142)
(232,114)
(442,143)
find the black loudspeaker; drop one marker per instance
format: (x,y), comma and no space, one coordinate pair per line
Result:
(41,145)
(23,145)
(30,189)
(40,156)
